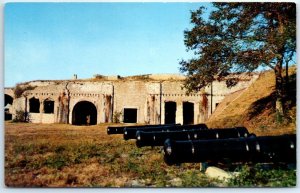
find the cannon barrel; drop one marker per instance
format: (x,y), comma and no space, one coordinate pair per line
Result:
(267,149)
(157,138)
(120,129)
(115,130)
(130,133)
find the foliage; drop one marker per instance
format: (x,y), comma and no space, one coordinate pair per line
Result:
(20,89)
(258,176)
(194,178)
(117,117)
(99,76)
(21,116)
(240,37)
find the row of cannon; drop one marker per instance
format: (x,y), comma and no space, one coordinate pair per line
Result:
(197,143)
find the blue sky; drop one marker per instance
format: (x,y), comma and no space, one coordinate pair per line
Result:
(52,41)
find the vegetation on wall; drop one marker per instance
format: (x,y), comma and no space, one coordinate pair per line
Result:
(117,116)
(20,89)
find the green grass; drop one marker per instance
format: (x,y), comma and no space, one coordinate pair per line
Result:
(258,176)
(57,155)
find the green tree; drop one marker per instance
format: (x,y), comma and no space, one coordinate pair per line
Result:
(240,37)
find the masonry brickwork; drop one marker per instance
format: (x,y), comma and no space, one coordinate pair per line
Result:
(137,99)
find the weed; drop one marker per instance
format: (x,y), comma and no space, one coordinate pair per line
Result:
(117,117)
(20,89)
(257,176)
(57,161)
(194,178)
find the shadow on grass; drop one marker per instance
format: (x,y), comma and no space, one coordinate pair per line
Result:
(261,105)
(269,102)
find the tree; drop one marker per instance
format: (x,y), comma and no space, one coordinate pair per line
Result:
(240,37)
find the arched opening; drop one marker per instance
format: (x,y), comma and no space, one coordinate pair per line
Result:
(8,101)
(34,105)
(84,113)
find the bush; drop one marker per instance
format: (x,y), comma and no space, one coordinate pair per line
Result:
(117,117)
(258,176)
(19,90)
(21,116)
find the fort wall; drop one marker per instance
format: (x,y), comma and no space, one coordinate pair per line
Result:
(151,100)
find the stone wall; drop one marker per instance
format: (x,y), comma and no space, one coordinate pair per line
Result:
(82,102)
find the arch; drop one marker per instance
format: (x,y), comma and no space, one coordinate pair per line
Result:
(8,99)
(84,113)
(34,105)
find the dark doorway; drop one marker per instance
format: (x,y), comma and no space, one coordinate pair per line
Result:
(34,105)
(48,106)
(188,113)
(130,115)
(8,101)
(170,112)
(84,113)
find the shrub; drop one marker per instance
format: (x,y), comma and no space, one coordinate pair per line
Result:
(19,90)
(21,116)
(117,117)
(258,176)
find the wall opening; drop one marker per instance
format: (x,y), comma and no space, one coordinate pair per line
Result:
(188,113)
(84,113)
(170,112)
(130,115)
(48,106)
(8,101)
(34,105)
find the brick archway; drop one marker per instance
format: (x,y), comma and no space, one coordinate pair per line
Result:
(84,113)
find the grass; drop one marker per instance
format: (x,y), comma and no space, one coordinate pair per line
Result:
(254,108)
(258,176)
(59,155)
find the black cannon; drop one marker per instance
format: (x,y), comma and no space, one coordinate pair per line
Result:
(115,130)
(268,149)
(120,129)
(157,138)
(130,133)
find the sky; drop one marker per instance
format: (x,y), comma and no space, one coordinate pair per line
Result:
(54,41)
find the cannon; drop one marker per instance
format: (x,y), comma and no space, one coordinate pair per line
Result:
(157,138)
(266,149)
(115,130)
(130,133)
(120,129)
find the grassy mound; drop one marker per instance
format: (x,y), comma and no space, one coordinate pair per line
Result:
(254,107)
